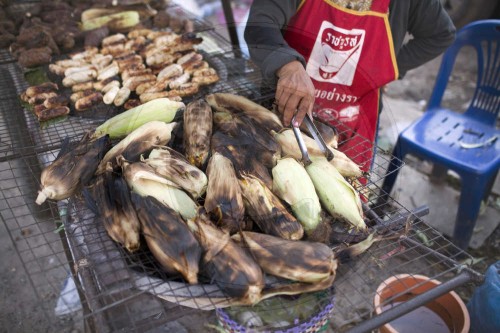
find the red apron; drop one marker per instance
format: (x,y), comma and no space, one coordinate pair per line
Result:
(349,56)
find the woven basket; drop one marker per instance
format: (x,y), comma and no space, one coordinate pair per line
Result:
(305,314)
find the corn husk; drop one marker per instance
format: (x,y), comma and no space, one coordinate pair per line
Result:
(143,180)
(338,197)
(116,211)
(72,168)
(223,197)
(174,167)
(227,264)
(243,157)
(267,211)
(168,237)
(292,184)
(302,261)
(139,142)
(119,126)
(236,104)
(115,22)
(197,132)
(243,131)
(290,147)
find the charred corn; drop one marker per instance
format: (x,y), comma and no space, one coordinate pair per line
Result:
(298,261)
(223,198)
(197,132)
(242,157)
(168,238)
(121,125)
(143,180)
(227,264)
(246,132)
(118,215)
(239,104)
(71,168)
(292,184)
(138,142)
(338,197)
(173,166)
(267,211)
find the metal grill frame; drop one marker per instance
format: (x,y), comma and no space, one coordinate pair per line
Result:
(102,270)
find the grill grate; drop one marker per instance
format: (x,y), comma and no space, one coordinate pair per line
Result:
(121,291)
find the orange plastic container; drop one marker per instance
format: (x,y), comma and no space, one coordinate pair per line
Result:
(449,307)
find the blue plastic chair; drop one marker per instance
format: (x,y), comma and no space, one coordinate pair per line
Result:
(447,138)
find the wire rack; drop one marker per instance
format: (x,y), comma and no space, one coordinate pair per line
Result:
(119,291)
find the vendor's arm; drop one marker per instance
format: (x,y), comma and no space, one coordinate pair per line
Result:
(432,31)
(277,60)
(263,34)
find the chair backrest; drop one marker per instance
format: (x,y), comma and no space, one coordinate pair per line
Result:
(484,37)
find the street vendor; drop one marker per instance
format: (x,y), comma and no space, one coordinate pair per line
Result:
(331,57)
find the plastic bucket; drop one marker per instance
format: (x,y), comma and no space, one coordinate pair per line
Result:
(448,309)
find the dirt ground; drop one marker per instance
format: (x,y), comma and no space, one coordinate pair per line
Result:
(417,86)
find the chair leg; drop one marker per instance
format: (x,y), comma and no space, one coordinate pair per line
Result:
(395,163)
(472,193)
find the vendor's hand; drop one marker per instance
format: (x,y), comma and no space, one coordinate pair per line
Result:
(294,93)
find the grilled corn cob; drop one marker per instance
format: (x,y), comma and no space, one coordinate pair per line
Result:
(242,157)
(143,180)
(298,261)
(115,21)
(227,264)
(338,197)
(174,166)
(168,238)
(112,197)
(239,104)
(121,125)
(197,132)
(292,184)
(267,210)
(223,197)
(290,147)
(330,134)
(71,168)
(138,142)
(245,131)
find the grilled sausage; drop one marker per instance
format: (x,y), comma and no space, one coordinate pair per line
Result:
(134,81)
(131,103)
(41,88)
(79,77)
(108,71)
(47,114)
(56,101)
(109,86)
(110,95)
(40,98)
(89,101)
(82,86)
(122,96)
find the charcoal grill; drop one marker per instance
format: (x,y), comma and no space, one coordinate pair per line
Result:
(122,291)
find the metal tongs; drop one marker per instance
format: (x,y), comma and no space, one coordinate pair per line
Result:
(317,137)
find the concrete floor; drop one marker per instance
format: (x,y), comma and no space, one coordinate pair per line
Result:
(414,187)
